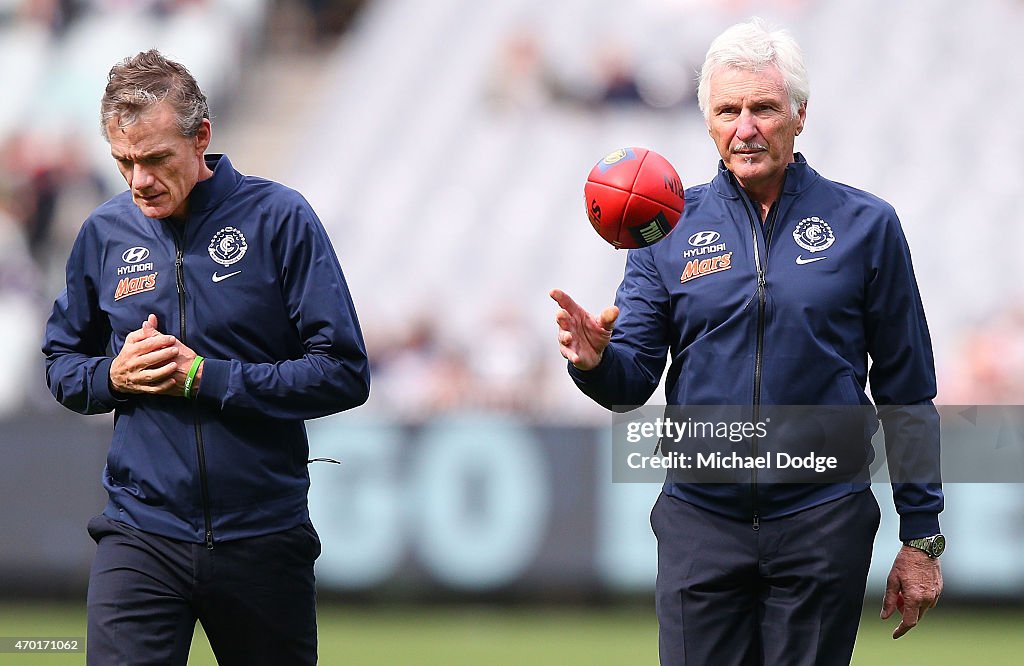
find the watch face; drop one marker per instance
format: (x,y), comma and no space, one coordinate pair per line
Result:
(938,545)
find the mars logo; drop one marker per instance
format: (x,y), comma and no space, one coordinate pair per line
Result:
(227,246)
(614,157)
(814,234)
(699,267)
(130,286)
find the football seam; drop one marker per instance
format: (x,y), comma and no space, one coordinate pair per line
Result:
(639,167)
(653,201)
(636,177)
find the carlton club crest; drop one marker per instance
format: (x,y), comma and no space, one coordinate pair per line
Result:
(814,234)
(228,246)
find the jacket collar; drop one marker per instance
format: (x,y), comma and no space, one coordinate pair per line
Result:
(206,194)
(799,176)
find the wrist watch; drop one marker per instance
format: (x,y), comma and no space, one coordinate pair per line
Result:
(933,545)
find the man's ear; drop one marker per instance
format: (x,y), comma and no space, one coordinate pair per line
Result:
(204,135)
(802,115)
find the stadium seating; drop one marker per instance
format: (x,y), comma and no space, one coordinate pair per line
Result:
(437,196)
(449,189)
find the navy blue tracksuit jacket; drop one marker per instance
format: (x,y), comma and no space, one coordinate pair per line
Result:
(787,312)
(252,283)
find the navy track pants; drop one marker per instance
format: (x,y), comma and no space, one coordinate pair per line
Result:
(255,597)
(788,594)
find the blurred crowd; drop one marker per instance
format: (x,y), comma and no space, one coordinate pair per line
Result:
(51,176)
(525,77)
(421,372)
(987,365)
(53,165)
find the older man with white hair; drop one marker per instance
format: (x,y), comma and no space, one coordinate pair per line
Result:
(818,280)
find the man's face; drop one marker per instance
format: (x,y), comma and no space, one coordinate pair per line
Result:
(752,123)
(159,164)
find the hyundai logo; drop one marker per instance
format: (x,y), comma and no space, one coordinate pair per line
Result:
(702,238)
(134,255)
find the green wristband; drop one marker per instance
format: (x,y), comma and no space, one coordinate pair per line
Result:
(192,375)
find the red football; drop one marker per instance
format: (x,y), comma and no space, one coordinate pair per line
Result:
(634,197)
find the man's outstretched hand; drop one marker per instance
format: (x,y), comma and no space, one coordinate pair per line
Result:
(582,337)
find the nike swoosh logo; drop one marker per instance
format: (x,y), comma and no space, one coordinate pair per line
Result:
(800,261)
(218,278)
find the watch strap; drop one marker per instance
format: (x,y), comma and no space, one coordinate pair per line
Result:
(932,545)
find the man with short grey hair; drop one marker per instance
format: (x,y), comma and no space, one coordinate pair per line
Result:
(208,311)
(817,280)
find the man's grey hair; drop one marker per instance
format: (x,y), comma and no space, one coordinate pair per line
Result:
(139,83)
(754,46)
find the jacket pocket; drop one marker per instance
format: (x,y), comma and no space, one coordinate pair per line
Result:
(116,453)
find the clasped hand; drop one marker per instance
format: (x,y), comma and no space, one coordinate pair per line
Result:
(151,362)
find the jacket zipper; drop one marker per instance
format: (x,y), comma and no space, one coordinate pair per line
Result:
(204,489)
(762,301)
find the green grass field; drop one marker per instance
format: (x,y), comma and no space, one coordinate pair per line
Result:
(473,635)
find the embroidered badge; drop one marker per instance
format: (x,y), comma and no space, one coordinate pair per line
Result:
(814,234)
(228,246)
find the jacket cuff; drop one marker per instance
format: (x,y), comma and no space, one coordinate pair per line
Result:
(918,525)
(101,388)
(595,374)
(214,384)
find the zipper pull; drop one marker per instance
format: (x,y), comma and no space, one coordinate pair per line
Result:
(179,272)
(757,522)
(209,539)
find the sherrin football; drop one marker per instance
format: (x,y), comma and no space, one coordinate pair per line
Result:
(634,197)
